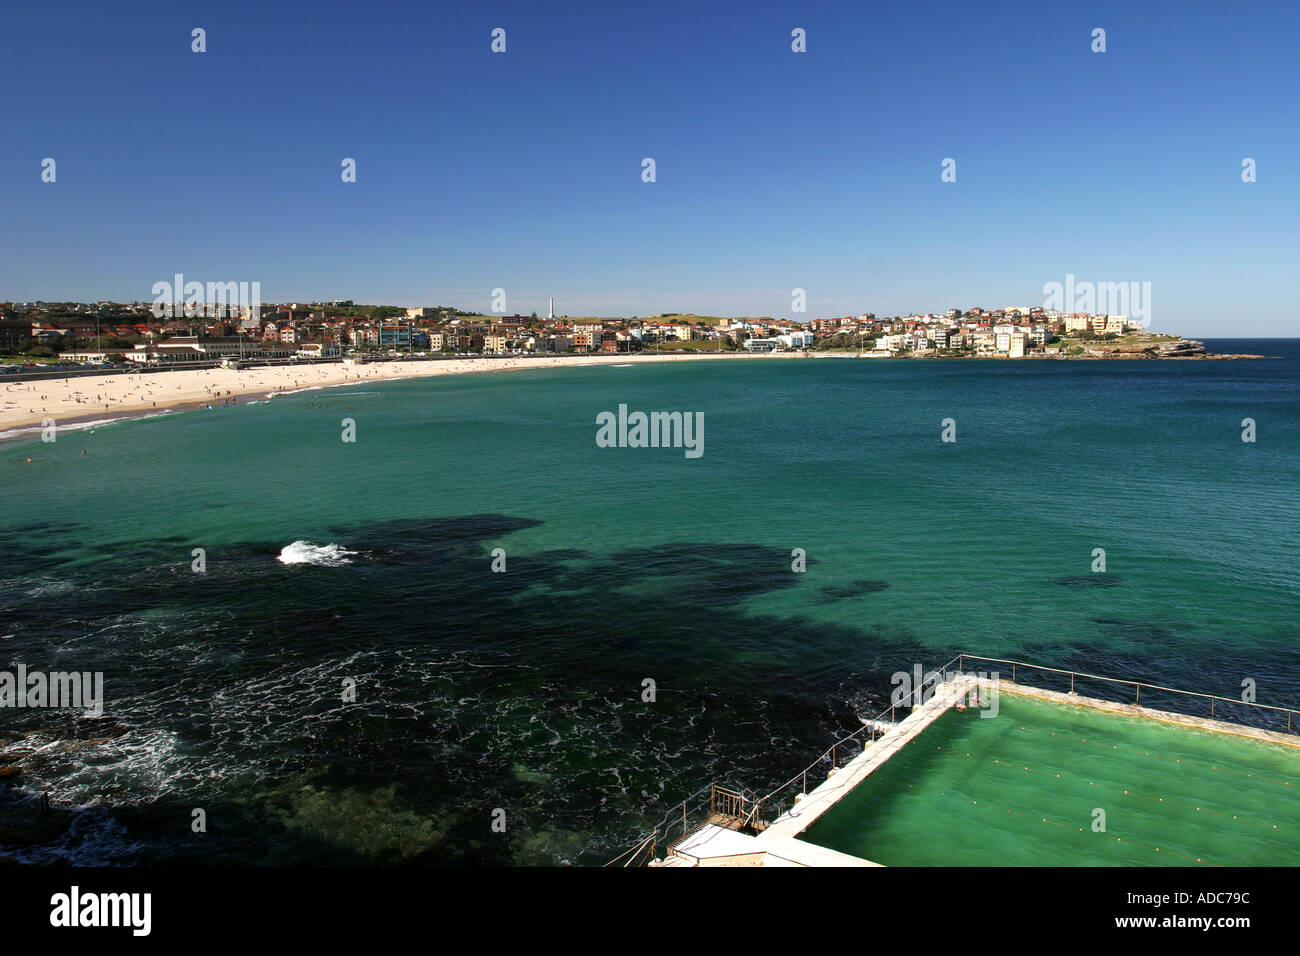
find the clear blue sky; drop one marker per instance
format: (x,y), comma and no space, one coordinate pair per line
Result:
(775,170)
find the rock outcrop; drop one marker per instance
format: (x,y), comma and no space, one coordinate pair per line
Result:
(1180,348)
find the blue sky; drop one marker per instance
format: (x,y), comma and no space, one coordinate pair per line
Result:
(775,170)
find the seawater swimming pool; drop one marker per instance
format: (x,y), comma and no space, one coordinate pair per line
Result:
(1025,788)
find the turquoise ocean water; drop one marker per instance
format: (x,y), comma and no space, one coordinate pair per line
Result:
(522,691)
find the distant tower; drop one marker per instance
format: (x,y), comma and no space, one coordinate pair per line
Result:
(551,313)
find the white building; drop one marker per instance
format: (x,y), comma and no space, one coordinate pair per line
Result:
(796,340)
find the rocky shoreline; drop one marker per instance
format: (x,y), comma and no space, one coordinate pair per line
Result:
(25,820)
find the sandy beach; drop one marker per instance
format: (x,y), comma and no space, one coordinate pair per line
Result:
(86,400)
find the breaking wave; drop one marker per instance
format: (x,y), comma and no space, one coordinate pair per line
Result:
(304,552)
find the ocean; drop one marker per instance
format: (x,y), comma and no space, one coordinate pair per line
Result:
(348,680)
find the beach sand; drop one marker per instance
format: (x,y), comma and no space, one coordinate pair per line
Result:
(80,401)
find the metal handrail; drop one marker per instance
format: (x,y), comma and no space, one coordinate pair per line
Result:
(662,828)
(869,727)
(632,853)
(750,816)
(1136,684)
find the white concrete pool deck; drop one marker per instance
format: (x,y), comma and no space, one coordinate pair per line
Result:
(776,846)
(717,846)
(797,819)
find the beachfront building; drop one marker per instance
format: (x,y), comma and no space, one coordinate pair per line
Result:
(394,335)
(762,345)
(14,333)
(555,343)
(90,355)
(585,339)
(185,348)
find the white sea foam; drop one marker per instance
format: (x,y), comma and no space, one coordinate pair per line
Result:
(304,552)
(79,426)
